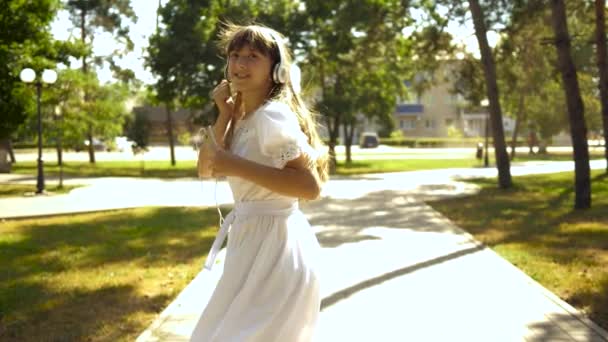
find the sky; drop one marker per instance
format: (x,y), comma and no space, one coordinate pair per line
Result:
(140,31)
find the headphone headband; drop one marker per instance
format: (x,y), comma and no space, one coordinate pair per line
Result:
(280,73)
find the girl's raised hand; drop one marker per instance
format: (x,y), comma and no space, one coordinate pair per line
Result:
(222,97)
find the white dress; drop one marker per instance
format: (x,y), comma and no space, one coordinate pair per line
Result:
(269,289)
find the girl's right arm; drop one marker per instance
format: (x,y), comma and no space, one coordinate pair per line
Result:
(226,106)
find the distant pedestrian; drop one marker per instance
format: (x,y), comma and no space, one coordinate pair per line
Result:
(269,149)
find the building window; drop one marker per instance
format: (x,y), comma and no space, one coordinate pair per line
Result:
(429,123)
(449,122)
(407,125)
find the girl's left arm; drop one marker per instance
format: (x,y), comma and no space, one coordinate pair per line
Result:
(296,179)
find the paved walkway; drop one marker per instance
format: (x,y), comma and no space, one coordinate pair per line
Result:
(394,270)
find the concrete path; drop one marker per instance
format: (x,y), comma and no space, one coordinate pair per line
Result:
(394,269)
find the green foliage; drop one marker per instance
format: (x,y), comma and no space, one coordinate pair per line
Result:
(454,132)
(353,55)
(396,134)
(25,41)
(528,68)
(184,54)
(357,57)
(104,113)
(108,15)
(184,138)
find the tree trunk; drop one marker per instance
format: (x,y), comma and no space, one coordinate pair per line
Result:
(333,131)
(519,117)
(5,165)
(170,133)
(59,155)
(349,128)
(91,147)
(576,110)
(500,151)
(11,152)
(602,66)
(83,36)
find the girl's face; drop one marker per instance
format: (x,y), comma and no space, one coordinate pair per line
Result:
(249,70)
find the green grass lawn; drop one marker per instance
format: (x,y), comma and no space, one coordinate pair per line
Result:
(535,227)
(187,169)
(523,155)
(97,277)
(396,165)
(19,190)
(149,169)
(161,169)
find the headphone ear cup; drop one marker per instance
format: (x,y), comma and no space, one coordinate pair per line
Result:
(279,74)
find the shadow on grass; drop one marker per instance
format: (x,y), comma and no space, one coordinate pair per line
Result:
(80,315)
(151,239)
(599,301)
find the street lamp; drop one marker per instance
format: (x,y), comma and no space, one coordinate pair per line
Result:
(485,103)
(59,116)
(28,75)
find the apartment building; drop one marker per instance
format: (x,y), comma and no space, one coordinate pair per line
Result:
(432,113)
(440,113)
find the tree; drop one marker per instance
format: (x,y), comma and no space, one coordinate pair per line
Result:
(358,59)
(24,42)
(108,15)
(175,55)
(576,110)
(602,66)
(183,53)
(138,132)
(502,159)
(104,114)
(523,72)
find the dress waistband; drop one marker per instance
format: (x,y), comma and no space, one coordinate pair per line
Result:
(247,209)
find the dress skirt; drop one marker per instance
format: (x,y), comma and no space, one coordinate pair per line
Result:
(269,290)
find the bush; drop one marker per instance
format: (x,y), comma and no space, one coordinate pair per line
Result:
(184,138)
(430,142)
(397,134)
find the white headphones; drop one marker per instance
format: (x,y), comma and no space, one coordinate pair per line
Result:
(280,73)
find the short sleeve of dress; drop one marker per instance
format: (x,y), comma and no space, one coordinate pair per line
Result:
(280,136)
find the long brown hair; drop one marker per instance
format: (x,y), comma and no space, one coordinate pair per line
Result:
(262,39)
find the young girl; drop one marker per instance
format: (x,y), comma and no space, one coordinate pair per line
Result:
(269,149)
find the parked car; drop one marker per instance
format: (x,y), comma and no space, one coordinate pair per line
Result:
(369,140)
(98,145)
(123,144)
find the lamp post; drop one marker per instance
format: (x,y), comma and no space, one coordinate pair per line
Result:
(28,75)
(486,161)
(59,117)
